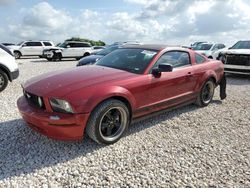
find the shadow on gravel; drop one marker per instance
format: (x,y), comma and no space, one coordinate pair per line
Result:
(23,151)
(46,61)
(238,79)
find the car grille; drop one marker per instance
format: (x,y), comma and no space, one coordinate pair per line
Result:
(238,60)
(34,100)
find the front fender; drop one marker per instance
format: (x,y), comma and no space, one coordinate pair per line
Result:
(86,100)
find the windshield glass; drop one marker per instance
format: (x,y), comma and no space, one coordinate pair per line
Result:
(19,44)
(131,60)
(63,45)
(107,50)
(203,47)
(242,45)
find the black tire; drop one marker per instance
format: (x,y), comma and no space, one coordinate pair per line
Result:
(206,94)
(86,54)
(57,57)
(210,57)
(222,58)
(49,59)
(3,80)
(108,122)
(17,54)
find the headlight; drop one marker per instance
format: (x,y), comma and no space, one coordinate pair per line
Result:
(59,105)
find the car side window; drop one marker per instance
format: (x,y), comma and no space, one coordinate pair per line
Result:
(33,44)
(216,47)
(199,59)
(175,59)
(47,44)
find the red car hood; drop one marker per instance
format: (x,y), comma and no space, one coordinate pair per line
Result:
(60,83)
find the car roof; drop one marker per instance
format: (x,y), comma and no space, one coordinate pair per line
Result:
(157,47)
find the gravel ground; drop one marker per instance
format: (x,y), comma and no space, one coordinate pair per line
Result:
(187,147)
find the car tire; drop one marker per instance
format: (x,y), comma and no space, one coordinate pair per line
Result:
(17,55)
(49,59)
(3,80)
(57,57)
(108,122)
(222,58)
(206,94)
(86,54)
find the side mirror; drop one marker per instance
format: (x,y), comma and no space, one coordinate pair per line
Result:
(162,68)
(230,48)
(68,46)
(24,45)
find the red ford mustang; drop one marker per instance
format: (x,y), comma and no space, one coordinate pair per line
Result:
(131,82)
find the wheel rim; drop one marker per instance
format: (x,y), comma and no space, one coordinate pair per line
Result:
(207,92)
(113,123)
(1,81)
(16,54)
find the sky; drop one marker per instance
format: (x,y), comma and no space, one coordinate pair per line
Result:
(179,22)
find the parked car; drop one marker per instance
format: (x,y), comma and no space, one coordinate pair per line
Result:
(95,57)
(96,49)
(195,44)
(209,49)
(237,58)
(68,49)
(131,82)
(8,67)
(30,48)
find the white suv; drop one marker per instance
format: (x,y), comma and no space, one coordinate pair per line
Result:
(8,67)
(68,49)
(30,48)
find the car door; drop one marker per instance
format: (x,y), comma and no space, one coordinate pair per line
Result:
(32,48)
(174,87)
(70,50)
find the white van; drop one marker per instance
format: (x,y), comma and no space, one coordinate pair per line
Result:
(8,67)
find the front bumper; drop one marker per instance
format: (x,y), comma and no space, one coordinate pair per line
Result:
(14,75)
(237,69)
(63,127)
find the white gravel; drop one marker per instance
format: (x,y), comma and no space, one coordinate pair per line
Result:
(187,147)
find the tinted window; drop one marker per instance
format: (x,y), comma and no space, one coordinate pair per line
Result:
(199,59)
(203,47)
(85,45)
(242,45)
(174,58)
(47,44)
(79,45)
(98,47)
(131,60)
(33,44)
(216,47)
(221,46)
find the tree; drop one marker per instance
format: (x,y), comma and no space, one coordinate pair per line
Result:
(92,42)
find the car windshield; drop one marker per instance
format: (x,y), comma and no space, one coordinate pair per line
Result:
(242,45)
(203,47)
(19,44)
(131,60)
(62,45)
(107,50)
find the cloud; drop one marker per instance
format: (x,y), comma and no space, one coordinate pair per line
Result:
(6,2)
(157,21)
